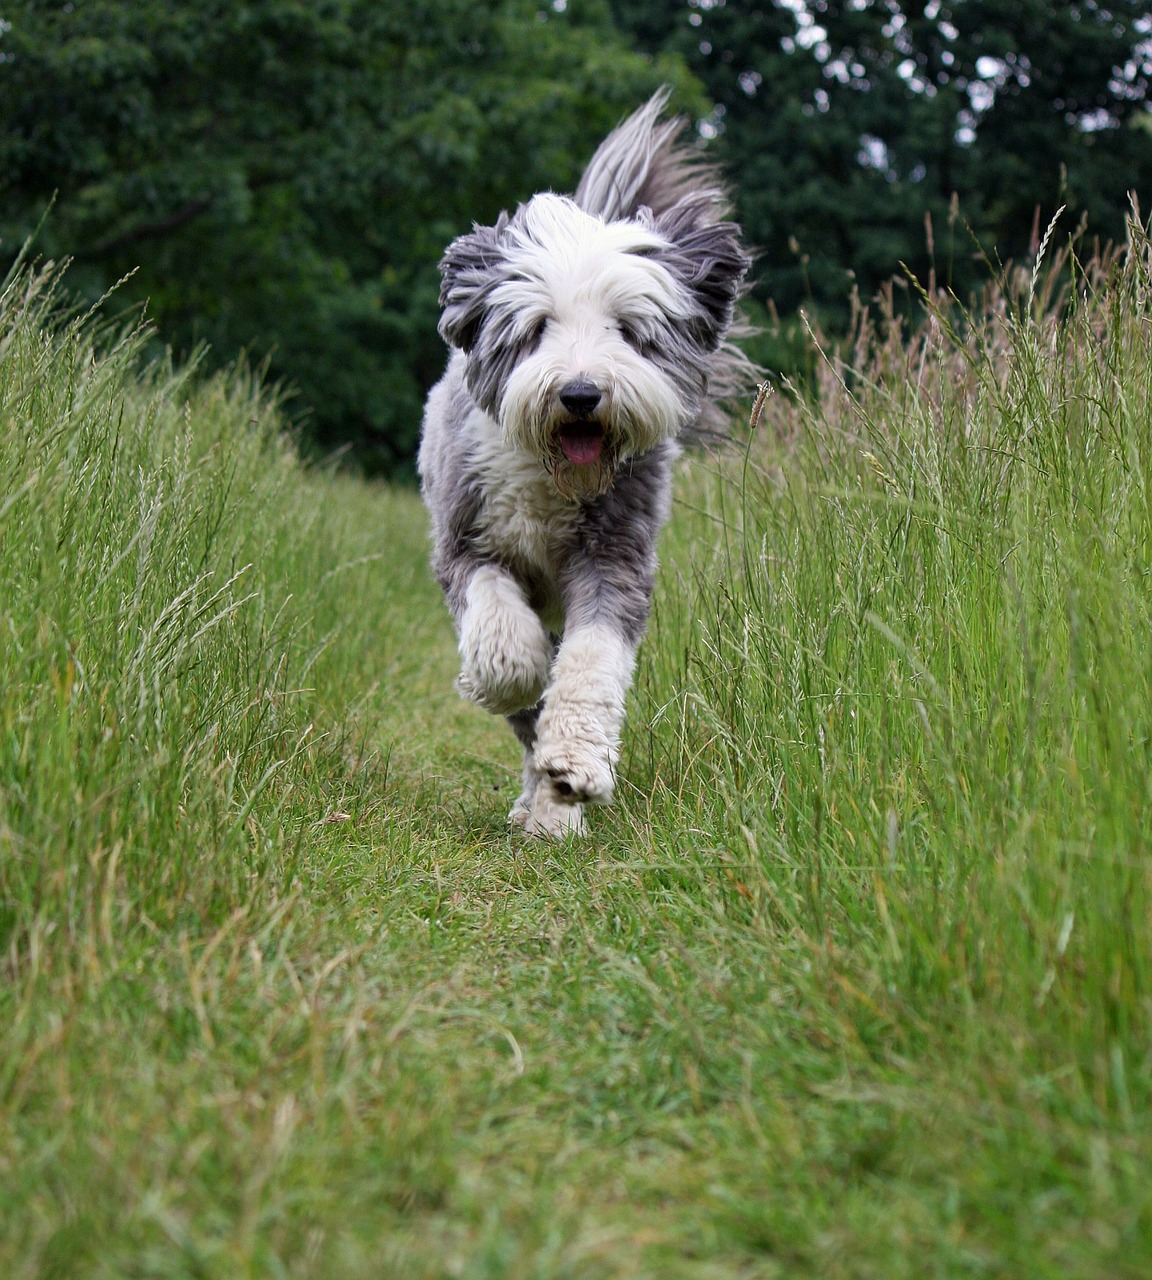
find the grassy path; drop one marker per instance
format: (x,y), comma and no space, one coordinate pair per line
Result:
(853,982)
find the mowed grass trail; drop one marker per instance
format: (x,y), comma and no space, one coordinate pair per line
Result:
(854,981)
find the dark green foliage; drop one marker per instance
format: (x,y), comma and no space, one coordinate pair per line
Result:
(847,125)
(283,176)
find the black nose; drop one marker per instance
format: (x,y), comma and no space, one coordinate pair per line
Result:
(580,398)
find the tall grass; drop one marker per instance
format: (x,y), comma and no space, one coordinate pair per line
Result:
(150,668)
(853,981)
(926,673)
(913,709)
(182,743)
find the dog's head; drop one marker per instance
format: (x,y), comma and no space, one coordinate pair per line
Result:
(589,340)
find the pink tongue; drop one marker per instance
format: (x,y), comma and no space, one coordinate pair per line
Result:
(581,446)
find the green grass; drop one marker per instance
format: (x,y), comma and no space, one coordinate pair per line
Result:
(855,979)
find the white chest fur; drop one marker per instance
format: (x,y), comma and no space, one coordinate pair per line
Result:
(525,519)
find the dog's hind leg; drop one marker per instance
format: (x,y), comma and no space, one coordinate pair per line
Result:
(524,727)
(536,810)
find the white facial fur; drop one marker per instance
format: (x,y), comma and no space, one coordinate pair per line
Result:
(587,284)
(555,298)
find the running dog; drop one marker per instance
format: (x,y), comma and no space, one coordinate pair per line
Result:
(589,339)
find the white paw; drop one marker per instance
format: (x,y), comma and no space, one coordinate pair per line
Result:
(541,813)
(521,812)
(502,691)
(577,770)
(553,819)
(505,653)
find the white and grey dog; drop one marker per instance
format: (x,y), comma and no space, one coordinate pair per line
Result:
(589,337)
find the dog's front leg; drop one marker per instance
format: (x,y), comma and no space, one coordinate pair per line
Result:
(578,735)
(606,588)
(572,761)
(606,603)
(505,652)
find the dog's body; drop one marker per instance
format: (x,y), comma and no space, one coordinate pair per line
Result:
(589,337)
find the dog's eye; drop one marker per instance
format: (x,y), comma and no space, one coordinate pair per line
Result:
(534,335)
(633,337)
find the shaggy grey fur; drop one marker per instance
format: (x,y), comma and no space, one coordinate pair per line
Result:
(590,336)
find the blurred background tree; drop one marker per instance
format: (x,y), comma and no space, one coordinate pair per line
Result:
(847,122)
(283,175)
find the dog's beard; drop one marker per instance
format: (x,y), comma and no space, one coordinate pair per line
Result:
(583,455)
(581,458)
(582,480)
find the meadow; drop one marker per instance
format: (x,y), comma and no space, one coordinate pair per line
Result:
(855,980)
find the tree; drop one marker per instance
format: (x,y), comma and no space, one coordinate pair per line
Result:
(1055,95)
(847,123)
(283,175)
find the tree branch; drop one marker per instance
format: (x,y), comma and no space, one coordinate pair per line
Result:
(154,230)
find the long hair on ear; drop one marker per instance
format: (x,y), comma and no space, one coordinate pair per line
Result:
(708,259)
(644,164)
(645,171)
(469,270)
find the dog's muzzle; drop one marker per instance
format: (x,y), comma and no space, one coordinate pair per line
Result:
(581,439)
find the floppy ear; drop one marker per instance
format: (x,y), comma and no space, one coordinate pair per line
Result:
(469,270)
(709,261)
